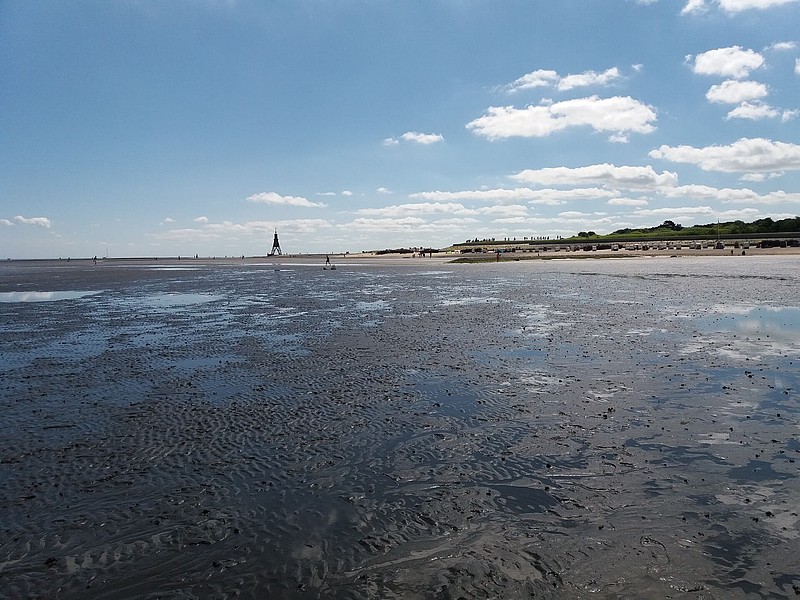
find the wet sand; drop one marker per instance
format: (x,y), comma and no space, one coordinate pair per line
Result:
(400,428)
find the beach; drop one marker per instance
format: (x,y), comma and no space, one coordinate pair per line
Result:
(400,427)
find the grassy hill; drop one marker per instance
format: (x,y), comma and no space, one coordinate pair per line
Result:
(669,229)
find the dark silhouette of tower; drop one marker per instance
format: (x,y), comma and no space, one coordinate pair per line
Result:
(276,245)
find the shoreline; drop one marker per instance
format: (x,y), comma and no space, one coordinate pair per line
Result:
(404,259)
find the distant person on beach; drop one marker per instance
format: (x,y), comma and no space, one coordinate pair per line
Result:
(327,260)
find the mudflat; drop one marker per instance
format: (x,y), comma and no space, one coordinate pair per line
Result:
(400,428)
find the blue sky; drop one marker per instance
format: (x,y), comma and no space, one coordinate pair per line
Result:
(143,127)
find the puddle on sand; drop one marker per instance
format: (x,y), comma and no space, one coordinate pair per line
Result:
(782,322)
(175,300)
(45,296)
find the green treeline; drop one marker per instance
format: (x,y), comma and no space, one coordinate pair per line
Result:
(670,229)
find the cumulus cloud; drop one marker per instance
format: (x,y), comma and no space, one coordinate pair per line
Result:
(37,221)
(551,79)
(755,111)
(674,212)
(731,6)
(405,224)
(628,202)
(694,7)
(624,177)
(588,78)
(201,220)
(733,61)
(422,138)
(745,155)
(231,230)
(274,198)
(617,114)
(731,195)
(6,222)
(415,138)
(505,210)
(401,210)
(347,193)
(797,66)
(735,92)
(535,79)
(383,190)
(734,6)
(576,214)
(502,195)
(782,46)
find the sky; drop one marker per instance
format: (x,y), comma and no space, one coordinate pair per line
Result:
(150,128)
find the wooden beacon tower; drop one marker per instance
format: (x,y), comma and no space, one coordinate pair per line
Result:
(276,245)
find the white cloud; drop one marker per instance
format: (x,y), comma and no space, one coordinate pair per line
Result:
(347,193)
(405,224)
(535,79)
(555,197)
(619,138)
(167,221)
(588,78)
(6,222)
(422,138)
(694,7)
(384,191)
(753,177)
(731,195)
(782,46)
(727,62)
(229,230)
(743,213)
(574,214)
(682,211)
(633,178)
(38,221)
(734,6)
(201,220)
(505,210)
(415,138)
(731,6)
(744,155)
(628,202)
(617,114)
(797,66)
(754,111)
(273,198)
(402,210)
(545,196)
(547,78)
(734,92)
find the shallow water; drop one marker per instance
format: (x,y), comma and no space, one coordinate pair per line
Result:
(566,429)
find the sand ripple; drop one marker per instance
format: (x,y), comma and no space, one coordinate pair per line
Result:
(531,430)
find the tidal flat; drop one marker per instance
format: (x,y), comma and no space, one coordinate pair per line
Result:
(270,429)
